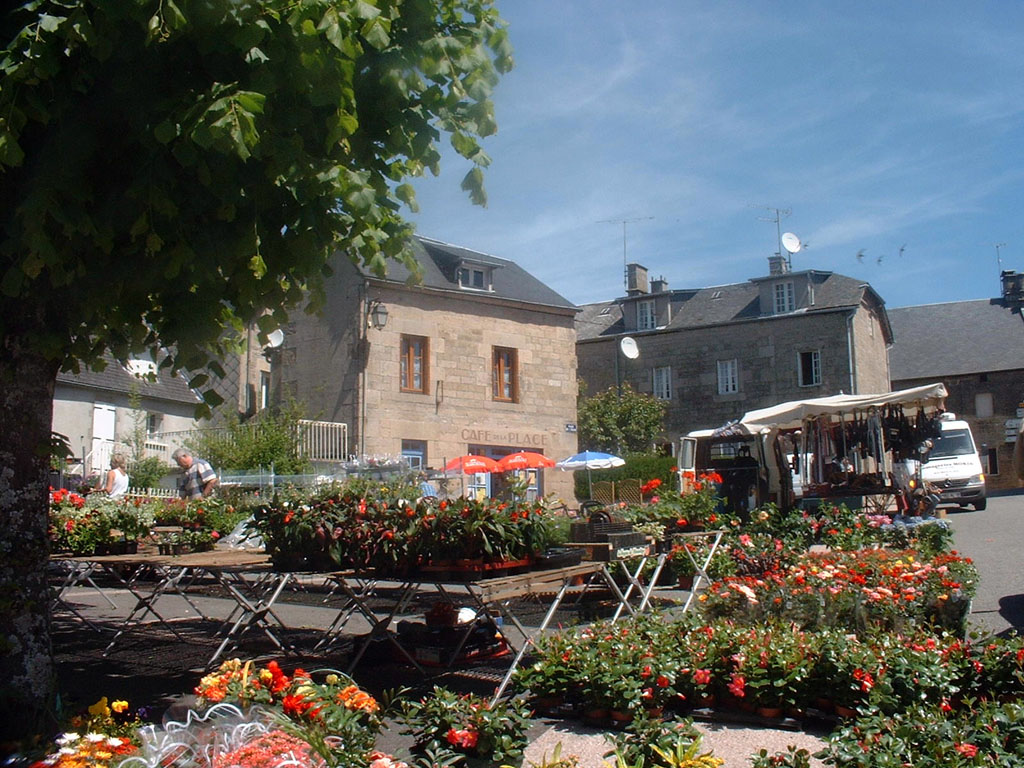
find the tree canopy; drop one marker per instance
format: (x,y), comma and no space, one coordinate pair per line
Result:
(170,169)
(620,423)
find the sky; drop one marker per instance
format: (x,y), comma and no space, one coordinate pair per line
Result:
(889,137)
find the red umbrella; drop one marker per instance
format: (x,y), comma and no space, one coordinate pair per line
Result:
(471,465)
(524,460)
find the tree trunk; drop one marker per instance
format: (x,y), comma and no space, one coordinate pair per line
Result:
(27,674)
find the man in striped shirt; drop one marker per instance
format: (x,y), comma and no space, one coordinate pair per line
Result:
(197,476)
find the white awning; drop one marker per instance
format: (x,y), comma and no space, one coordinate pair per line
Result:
(792,415)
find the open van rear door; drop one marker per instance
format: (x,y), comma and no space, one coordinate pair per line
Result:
(687,464)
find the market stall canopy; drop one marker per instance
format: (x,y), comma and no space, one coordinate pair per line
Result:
(791,415)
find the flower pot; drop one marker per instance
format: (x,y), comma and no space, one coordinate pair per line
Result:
(621,719)
(686,581)
(845,712)
(548,705)
(654,712)
(596,717)
(825,705)
(706,701)
(770,713)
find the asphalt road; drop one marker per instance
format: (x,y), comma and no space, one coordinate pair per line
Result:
(994,540)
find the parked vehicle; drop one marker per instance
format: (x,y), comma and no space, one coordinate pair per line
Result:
(950,464)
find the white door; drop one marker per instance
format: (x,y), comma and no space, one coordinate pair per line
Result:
(103,422)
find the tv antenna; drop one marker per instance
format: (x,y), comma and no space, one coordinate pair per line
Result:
(780,214)
(624,222)
(999,259)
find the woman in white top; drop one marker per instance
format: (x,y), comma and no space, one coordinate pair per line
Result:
(117,477)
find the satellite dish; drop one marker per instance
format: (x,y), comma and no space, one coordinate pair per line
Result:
(629,348)
(791,242)
(275,339)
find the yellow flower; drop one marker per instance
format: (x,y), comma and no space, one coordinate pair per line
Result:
(100,708)
(120,707)
(331,679)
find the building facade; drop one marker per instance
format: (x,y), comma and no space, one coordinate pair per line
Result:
(478,358)
(975,348)
(100,412)
(714,353)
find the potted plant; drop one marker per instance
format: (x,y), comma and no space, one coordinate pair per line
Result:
(470,725)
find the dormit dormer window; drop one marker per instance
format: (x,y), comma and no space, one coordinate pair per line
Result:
(645,317)
(474,277)
(784,297)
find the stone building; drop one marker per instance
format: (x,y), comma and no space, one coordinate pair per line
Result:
(975,348)
(478,358)
(715,353)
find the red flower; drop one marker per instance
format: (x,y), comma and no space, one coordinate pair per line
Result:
(737,687)
(663,682)
(288,516)
(967,750)
(702,676)
(646,672)
(465,738)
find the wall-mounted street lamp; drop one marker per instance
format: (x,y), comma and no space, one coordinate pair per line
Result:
(377,315)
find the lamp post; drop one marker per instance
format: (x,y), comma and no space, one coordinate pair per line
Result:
(377,315)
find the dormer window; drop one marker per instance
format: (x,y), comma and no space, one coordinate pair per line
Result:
(645,315)
(784,297)
(474,277)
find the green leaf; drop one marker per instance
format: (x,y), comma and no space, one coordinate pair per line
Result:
(49,23)
(407,194)
(165,132)
(473,183)
(375,31)
(257,266)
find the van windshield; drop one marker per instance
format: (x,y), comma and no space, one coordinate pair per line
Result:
(952,442)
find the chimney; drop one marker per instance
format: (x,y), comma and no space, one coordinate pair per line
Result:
(1013,286)
(660,285)
(777,265)
(636,280)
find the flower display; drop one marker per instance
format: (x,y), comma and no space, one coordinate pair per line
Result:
(468,725)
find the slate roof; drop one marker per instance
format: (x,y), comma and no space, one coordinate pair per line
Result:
(723,304)
(114,378)
(509,281)
(955,338)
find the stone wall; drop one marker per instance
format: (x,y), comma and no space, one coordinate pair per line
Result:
(767,351)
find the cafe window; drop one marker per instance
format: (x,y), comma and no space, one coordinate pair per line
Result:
(505,374)
(413,368)
(415,453)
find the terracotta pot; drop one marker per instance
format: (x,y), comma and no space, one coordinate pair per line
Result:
(706,700)
(596,717)
(548,705)
(621,719)
(655,711)
(771,713)
(686,582)
(845,712)
(825,705)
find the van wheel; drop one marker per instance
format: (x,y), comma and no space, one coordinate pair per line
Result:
(980,505)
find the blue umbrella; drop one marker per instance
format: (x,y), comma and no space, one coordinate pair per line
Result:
(589,460)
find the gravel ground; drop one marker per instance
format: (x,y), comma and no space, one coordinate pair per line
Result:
(733,743)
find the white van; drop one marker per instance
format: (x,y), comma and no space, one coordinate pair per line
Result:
(952,465)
